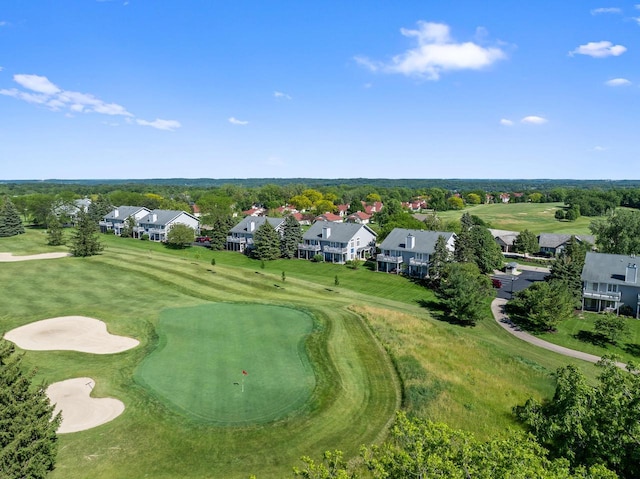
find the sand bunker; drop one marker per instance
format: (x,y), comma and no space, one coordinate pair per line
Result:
(70,333)
(79,410)
(8,257)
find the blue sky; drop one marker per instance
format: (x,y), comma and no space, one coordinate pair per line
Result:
(332,89)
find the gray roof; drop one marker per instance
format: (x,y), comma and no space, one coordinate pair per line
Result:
(162,217)
(340,232)
(124,212)
(507,237)
(608,268)
(243,226)
(425,240)
(554,240)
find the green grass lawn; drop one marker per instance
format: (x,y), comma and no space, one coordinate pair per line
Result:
(364,330)
(577,333)
(536,217)
(205,350)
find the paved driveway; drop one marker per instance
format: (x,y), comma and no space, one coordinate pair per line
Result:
(519,282)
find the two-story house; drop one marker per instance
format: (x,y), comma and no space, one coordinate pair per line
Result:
(157,223)
(240,237)
(115,219)
(610,281)
(337,242)
(409,251)
(554,243)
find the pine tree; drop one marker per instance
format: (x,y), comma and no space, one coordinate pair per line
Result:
(441,256)
(291,237)
(221,226)
(99,208)
(85,240)
(266,242)
(486,252)
(28,442)
(10,221)
(55,236)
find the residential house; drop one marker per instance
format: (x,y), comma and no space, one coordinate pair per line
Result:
(115,219)
(158,223)
(375,207)
(609,282)
(410,251)
(68,212)
(343,210)
(505,197)
(554,243)
(359,217)
(337,242)
(329,217)
(254,211)
(240,237)
(302,218)
(505,239)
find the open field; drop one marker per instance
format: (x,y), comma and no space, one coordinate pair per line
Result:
(468,377)
(536,217)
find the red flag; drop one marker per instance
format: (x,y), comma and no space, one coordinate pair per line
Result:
(245,373)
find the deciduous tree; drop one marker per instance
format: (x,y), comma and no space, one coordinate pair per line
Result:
(619,233)
(611,327)
(181,235)
(465,291)
(541,306)
(526,242)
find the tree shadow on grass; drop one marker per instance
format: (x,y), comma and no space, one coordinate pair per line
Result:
(633,349)
(591,338)
(439,312)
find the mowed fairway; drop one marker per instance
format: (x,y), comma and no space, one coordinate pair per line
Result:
(204,352)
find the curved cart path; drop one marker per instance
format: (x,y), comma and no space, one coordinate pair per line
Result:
(497,308)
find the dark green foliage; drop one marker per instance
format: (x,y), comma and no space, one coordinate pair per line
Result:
(266,242)
(221,224)
(85,241)
(588,424)
(464,291)
(336,281)
(567,268)
(291,237)
(541,306)
(55,235)
(39,206)
(591,202)
(486,252)
(559,214)
(526,242)
(181,235)
(441,257)
(99,208)
(611,327)
(128,227)
(619,233)
(28,441)
(10,221)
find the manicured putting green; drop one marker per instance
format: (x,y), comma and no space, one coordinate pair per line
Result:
(203,351)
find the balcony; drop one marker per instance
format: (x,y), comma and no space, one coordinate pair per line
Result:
(385,258)
(106,224)
(334,249)
(603,295)
(418,262)
(309,247)
(236,239)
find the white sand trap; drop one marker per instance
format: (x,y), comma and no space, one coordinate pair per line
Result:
(8,257)
(79,410)
(70,333)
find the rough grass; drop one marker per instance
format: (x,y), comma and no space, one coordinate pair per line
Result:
(468,377)
(536,217)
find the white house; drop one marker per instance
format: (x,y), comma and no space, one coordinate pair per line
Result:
(337,242)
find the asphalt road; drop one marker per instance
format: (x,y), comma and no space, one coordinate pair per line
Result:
(518,282)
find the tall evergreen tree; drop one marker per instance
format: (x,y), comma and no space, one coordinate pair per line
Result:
(99,208)
(222,224)
(291,237)
(85,240)
(55,236)
(567,268)
(10,221)
(486,252)
(266,242)
(28,442)
(441,256)
(464,291)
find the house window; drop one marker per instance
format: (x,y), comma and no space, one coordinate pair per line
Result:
(612,288)
(358,241)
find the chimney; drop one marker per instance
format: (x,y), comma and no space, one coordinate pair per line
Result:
(252,226)
(326,232)
(154,217)
(631,274)
(116,213)
(410,242)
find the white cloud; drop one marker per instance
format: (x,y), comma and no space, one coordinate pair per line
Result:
(598,11)
(1,68)
(506,122)
(533,120)
(599,148)
(436,52)
(235,121)
(3,23)
(41,91)
(36,83)
(279,94)
(168,125)
(618,82)
(599,50)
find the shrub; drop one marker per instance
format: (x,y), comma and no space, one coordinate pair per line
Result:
(144,237)
(318,258)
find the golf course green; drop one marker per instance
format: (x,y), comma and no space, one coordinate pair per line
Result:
(231,364)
